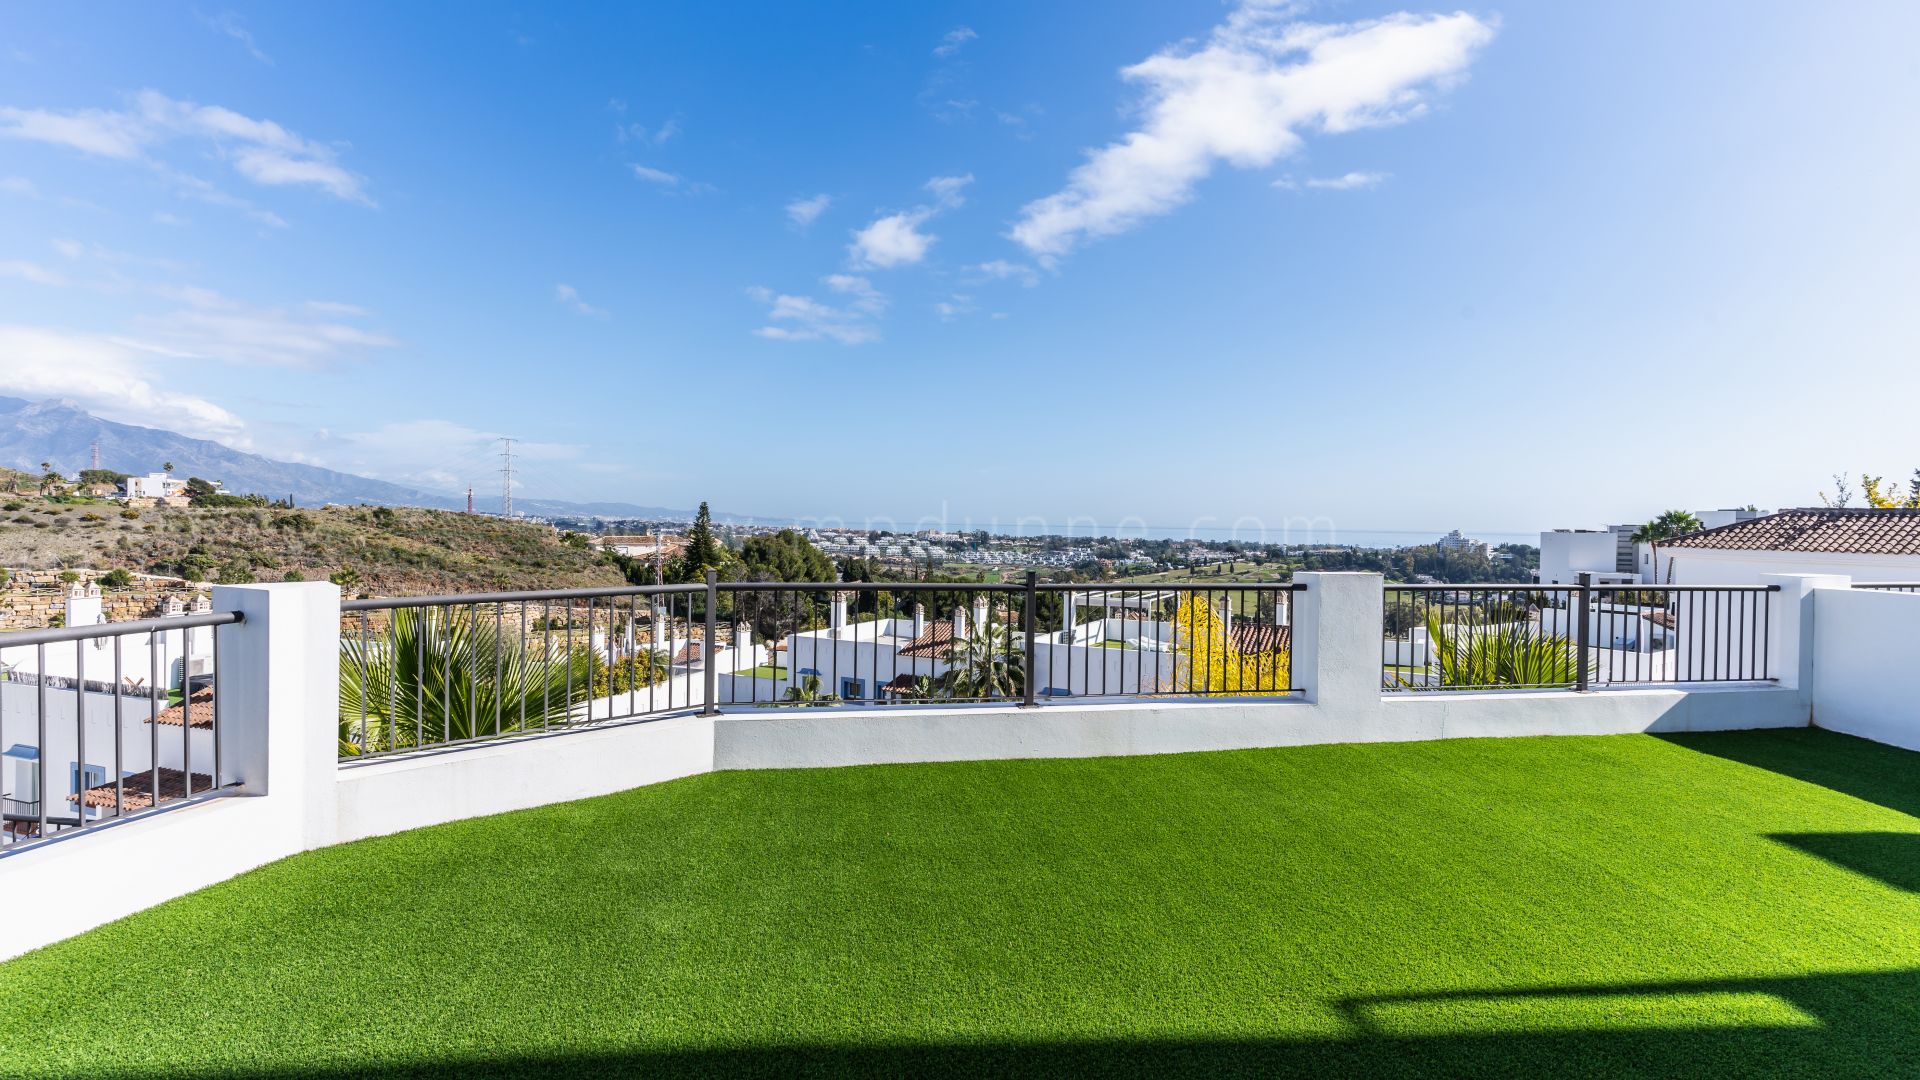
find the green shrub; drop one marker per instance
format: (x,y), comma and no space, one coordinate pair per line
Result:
(116,578)
(293,575)
(130,514)
(69,576)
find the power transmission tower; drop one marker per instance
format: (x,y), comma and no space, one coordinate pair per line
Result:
(96,453)
(506,477)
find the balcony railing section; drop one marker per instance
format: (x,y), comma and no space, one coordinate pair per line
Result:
(1574,637)
(422,673)
(85,714)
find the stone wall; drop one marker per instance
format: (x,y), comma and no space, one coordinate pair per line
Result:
(32,599)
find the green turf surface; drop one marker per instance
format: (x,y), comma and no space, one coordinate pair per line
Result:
(1625,905)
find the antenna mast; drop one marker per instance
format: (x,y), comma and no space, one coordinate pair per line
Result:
(96,453)
(506,477)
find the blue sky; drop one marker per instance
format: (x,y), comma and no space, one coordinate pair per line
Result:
(1386,266)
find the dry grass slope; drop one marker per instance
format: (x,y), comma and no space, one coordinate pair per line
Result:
(387,551)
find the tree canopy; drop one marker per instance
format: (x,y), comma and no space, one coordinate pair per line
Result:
(1668,525)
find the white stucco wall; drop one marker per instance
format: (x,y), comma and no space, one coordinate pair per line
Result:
(1866,644)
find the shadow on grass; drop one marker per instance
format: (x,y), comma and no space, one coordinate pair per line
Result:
(1861,768)
(1893,858)
(1849,1024)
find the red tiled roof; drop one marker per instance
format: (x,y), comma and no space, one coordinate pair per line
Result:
(1819,529)
(198,711)
(138,789)
(934,641)
(901,684)
(1253,637)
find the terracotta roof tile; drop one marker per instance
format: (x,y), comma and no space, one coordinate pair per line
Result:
(1253,637)
(198,711)
(1818,529)
(934,641)
(138,789)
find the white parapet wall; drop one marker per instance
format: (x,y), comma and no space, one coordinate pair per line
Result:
(1866,644)
(279,687)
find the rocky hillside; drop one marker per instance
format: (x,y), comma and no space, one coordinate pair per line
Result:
(371,550)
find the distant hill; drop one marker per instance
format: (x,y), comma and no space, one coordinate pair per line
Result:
(62,433)
(383,552)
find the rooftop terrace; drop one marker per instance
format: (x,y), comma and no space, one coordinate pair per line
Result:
(1721,903)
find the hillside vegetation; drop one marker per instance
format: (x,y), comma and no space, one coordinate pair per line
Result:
(369,550)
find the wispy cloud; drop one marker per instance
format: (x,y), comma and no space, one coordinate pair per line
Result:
(229,23)
(655,176)
(112,377)
(954,40)
(895,239)
(430,453)
(1352,181)
(259,150)
(30,271)
(1243,97)
(953,307)
(1002,270)
(216,327)
(804,212)
(569,297)
(802,318)
(647,136)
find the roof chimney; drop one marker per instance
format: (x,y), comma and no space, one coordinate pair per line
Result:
(959,622)
(919,620)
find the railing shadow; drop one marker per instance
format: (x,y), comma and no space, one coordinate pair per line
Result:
(1861,768)
(1890,857)
(1842,1024)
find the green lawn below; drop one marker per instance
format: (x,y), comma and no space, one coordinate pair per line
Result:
(1712,904)
(778,674)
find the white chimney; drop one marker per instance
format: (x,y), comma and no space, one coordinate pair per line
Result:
(980,611)
(1067,616)
(838,617)
(743,637)
(959,622)
(919,619)
(83,605)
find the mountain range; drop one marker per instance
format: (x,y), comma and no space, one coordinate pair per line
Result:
(62,433)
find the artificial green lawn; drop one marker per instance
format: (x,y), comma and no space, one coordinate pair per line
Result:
(1738,903)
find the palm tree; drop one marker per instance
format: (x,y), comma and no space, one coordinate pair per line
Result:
(809,692)
(1513,654)
(432,677)
(1667,526)
(167,468)
(984,664)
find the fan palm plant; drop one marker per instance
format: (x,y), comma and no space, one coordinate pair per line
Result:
(984,664)
(435,676)
(1514,654)
(809,692)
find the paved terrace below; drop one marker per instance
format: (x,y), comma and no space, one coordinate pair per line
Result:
(1629,904)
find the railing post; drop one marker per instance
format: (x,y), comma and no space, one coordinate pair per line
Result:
(1584,597)
(1033,623)
(707,649)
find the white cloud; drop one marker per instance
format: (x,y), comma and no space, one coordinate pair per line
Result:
(162,217)
(260,150)
(570,297)
(954,306)
(106,376)
(802,318)
(655,176)
(641,133)
(229,24)
(19,185)
(1002,270)
(1352,181)
(1243,97)
(216,327)
(27,271)
(954,40)
(804,212)
(896,239)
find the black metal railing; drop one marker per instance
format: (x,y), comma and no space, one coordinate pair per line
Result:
(1889,586)
(430,672)
(1574,637)
(73,702)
